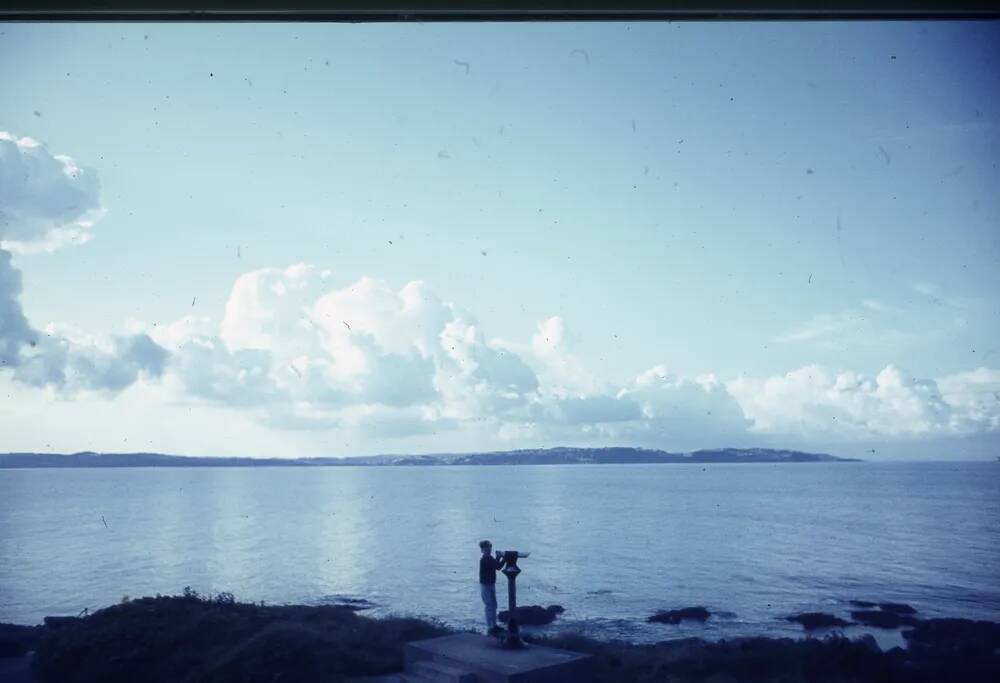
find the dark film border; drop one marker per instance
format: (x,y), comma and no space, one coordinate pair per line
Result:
(482,10)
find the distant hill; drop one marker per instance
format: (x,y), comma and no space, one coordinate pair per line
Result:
(534,456)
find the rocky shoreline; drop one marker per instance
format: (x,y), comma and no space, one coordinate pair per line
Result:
(197,638)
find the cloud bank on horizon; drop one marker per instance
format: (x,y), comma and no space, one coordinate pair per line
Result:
(299,349)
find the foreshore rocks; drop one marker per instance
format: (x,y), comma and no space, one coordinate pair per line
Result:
(896,608)
(887,615)
(676,616)
(881,619)
(533,615)
(814,620)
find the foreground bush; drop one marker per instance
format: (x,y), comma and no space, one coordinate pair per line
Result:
(189,638)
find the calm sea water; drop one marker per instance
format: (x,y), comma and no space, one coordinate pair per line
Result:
(611,543)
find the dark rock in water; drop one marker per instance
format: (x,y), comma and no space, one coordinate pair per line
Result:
(59,622)
(347,602)
(812,620)
(863,603)
(676,616)
(354,604)
(880,619)
(533,615)
(897,608)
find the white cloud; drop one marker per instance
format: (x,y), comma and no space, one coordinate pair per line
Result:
(306,353)
(939,297)
(71,361)
(689,412)
(871,323)
(15,331)
(297,351)
(814,402)
(561,371)
(300,351)
(46,201)
(974,397)
(874,322)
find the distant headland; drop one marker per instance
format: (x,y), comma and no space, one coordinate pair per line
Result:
(534,456)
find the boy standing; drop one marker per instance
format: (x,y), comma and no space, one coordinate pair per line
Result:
(488,566)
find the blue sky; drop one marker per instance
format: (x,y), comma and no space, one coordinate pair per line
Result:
(737,200)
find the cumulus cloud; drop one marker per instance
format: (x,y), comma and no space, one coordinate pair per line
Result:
(309,353)
(46,201)
(14,328)
(590,409)
(974,398)
(812,401)
(71,362)
(562,370)
(302,350)
(695,411)
(297,349)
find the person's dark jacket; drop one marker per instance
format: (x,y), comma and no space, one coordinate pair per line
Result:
(488,566)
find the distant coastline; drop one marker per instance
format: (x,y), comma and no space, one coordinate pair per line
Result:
(541,456)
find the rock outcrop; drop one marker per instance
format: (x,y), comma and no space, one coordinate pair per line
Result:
(814,620)
(676,616)
(533,615)
(880,619)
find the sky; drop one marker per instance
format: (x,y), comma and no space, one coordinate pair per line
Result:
(318,239)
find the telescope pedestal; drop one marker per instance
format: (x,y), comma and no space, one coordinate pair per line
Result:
(512,641)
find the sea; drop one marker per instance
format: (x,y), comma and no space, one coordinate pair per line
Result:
(612,544)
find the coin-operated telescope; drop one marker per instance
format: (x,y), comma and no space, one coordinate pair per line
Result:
(511,570)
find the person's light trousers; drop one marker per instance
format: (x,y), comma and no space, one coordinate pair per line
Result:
(489,592)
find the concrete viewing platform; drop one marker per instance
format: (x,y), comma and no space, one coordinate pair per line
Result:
(472,658)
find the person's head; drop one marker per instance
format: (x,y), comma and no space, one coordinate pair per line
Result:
(486,547)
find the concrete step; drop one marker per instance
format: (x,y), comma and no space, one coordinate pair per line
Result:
(494,664)
(441,672)
(415,677)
